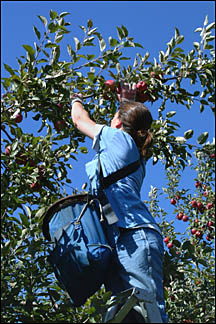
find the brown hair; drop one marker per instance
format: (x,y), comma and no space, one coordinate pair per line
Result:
(136,120)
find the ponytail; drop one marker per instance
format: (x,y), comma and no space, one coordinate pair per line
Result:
(136,120)
(144,141)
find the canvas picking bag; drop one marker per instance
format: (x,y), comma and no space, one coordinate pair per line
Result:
(81,252)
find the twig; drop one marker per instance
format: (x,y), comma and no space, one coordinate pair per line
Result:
(10,138)
(54,304)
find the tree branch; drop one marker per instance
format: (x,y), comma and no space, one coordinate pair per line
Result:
(4,130)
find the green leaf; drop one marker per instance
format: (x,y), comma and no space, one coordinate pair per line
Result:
(196,93)
(70,51)
(37,32)
(30,51)
(53,14)
(186,245)
(180,139)
(204,102)
(125,31)
(210,26)
(135,62)
(203,262)
(206,20)
(102,44)
(77,43)
(201,108)
(202,138)
(50,45)
(188,134)
(43,20)
(176,33)
(177,243)
(179,39)
(53,27)
(118,68)
(89,23)
(113,41)
(64,14)
(171,114)
(171,63)
(9,69)
(91,76)
(196,45)
(145,57)
(58,38)
(63,30)
(83,28)
(83,149)
(138,45)
(161,56)
(120,33)
(24,220)
(28,211)
(56,54)
(199,29)
(92,31)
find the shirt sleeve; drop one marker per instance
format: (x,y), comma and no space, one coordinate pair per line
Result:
(96,144)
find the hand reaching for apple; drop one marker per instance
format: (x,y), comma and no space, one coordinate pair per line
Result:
(127,91)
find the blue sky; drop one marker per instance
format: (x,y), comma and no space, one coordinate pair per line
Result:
(151,23)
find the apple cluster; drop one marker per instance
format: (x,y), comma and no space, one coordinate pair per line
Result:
(168,243)
(142,88)
(21,159)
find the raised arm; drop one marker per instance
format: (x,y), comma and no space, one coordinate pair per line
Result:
(82,121)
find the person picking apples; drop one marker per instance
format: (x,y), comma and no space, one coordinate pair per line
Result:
(133,233)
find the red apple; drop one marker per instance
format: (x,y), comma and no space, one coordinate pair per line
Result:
(59,125)
(185,218)
(8,150)
(18,118)
(213,155)
(198,233)
(210,223)
(166,240)
(60,105)
(209,205)
(170,245)
(110,84)
(173,201)
(209,237)
(193,230)
(194,203)
(158,76)
(198,184)
(36,186)
(179,215)
(200,206)
(141,86)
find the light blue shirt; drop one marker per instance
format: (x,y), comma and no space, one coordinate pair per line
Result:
(118,149)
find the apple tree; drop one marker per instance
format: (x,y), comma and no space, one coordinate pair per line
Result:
(37,165)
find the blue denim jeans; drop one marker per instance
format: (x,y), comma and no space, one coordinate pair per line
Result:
(137,262)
